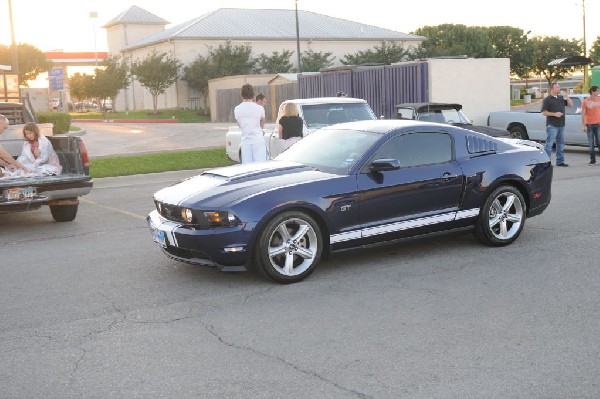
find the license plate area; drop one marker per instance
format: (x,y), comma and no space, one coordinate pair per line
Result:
(158,236)
(20,193)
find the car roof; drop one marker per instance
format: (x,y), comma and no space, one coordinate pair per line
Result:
(382,126)
(429,106)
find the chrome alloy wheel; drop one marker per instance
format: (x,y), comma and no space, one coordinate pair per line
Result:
(505,216)
(293,247)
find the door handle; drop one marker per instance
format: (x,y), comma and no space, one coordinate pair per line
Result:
(449,176)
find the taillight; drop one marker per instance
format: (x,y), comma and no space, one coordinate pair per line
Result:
(85,159)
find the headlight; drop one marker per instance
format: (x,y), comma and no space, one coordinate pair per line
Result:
(220,219)
(187,215)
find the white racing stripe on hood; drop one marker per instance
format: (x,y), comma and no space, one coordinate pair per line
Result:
(181,191)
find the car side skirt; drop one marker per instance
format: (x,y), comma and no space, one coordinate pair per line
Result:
(404,225)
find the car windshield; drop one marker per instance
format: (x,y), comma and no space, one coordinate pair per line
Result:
(331,150)
(319,115)
(449,116)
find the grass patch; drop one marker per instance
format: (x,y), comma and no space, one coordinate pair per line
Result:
(182,116)
(516,102)
(160,162)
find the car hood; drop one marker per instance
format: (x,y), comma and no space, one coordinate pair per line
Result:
(490,131)
(220,187)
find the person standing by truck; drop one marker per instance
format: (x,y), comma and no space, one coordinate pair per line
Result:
(553,108)
(590,117)
(251,119)
(290,126)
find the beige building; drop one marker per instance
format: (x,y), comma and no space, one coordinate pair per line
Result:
(136,32)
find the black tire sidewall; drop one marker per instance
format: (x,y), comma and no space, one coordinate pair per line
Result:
(261,256)
(482,230)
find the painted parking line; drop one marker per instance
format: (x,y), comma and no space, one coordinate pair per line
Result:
(135,215)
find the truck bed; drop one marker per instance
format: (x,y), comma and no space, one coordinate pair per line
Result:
(59,192)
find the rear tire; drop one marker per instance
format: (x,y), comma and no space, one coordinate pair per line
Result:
(502,217)
(289,247)
(518,132)
(64,213)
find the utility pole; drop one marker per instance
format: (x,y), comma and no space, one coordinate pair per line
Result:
(298,39)
(15,56)
(586,66)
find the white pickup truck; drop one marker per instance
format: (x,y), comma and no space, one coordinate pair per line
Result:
(315,112)
(531,125)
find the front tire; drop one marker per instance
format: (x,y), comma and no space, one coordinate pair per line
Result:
(502,218)
(64,213)
(289,247)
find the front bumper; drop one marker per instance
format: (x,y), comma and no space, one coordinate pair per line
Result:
(223,248)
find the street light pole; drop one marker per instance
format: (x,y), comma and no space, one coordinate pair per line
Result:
(94,15)
(15,56)
(586,66)
(298,39)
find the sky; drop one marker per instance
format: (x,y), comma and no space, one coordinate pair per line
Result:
(66,24)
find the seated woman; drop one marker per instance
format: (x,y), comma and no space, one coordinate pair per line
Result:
(38,155)
(290,125)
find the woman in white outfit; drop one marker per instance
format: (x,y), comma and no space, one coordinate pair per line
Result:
(38,155)
(251,120)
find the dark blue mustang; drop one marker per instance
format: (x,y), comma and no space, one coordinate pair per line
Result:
(351,185)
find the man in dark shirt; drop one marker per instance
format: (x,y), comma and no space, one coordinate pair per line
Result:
(553,108)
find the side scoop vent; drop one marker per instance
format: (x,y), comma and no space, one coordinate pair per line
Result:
(478,145)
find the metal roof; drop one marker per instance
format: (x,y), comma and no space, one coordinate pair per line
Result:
(135,15)
(257,24)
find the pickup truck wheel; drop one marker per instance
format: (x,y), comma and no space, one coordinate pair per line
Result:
(502,217)
(64,213)
(518,132)
(289,247)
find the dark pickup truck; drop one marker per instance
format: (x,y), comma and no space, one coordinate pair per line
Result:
(60,193)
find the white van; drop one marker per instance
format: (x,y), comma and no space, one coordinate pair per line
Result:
(315,112)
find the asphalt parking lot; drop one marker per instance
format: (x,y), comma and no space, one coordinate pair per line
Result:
(92,309)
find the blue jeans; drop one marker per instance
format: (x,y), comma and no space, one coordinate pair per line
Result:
(558,134)
(593,133)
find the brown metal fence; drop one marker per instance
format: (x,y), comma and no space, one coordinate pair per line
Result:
(227,99)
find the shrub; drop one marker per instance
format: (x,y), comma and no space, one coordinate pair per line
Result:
(61,121)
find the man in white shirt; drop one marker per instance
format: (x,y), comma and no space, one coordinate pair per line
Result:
(251,119)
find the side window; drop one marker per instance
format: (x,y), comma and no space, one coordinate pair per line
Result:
(415,149)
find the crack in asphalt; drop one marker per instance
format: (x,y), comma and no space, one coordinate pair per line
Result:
(211,330)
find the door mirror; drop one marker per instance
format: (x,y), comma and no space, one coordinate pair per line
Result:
(380,165)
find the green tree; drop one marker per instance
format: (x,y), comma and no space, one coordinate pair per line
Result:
(512,43)
(276,63)
(549,48)
(454,40)
(387,54)
(32,61)
(232,60)
(314,62)
(157,72)
(595,52)
(197,74)
(111,77)
(78,87)
(225,60)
